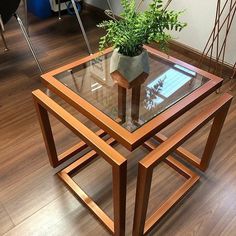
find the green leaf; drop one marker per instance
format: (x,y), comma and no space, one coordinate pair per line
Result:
(138,28)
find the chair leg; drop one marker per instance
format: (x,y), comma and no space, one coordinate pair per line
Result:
(28,42)
(59,9)
(4,41)
(1,23)
(26,16)
(2,35)
(81,26)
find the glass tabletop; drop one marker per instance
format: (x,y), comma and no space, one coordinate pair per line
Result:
(166,84)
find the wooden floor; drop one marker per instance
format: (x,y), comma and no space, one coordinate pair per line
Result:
(33,201)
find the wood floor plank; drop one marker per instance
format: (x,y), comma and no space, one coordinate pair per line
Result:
(64,216)
(5,221)
(204,217)
(31,193)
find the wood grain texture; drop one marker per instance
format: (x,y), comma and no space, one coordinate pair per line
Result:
(5,221)
(28,195)
(40,205)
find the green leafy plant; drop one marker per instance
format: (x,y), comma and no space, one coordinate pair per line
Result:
(136,28)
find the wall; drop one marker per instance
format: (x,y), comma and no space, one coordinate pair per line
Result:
(199,14)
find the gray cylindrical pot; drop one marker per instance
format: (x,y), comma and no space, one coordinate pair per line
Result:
(129,67)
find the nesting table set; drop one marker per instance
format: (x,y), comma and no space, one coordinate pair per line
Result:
(131,116)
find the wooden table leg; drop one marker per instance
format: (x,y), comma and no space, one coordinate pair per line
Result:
(141,225)
(135,102)
(119,181)
(47,134)
(122,104)
(141,200)
(214,136)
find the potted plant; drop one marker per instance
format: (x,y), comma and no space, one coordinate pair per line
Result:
(134,29)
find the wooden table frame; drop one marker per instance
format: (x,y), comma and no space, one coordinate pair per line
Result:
(43,105)
(131,140)
(217,111)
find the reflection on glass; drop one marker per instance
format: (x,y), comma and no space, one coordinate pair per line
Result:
(164,86)
(183,69)
(153,92)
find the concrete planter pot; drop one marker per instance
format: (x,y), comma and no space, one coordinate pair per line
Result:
(129,68)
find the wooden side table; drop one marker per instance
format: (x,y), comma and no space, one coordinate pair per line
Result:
(197,85)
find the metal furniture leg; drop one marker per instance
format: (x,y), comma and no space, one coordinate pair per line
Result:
(4,41)
(28,42)
(1,23)
(26,16)
(81,26)
(59,9)
(2,35)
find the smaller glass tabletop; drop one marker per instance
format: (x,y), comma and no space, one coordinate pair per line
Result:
(166,84)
